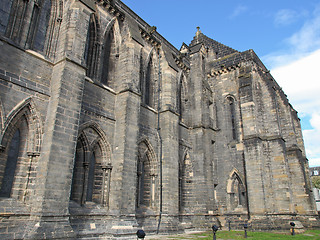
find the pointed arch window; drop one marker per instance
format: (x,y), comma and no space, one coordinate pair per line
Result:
(5,15)
(33,24)
(145,184)
(15,21)
(14,161)
(213,116)
(39,25)
(148,93)
(21,141)
(232,113)
(91,175)
(110,59)
(146,178)
(91,47)
(185,181)
(182,100)
(236,191)
(11,164)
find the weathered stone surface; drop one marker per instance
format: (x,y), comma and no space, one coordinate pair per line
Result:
(107,128)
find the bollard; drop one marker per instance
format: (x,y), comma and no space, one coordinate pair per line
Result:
(292,224)
(245,226)
(141,234)
(214,229)
(229,223)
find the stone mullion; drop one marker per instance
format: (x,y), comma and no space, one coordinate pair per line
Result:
(109,169)
(102,197)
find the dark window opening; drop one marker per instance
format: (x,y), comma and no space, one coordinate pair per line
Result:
(91,48)
(16,20)
(5,14)
(91,175)
(41,22)
(148,85)
(9,173)
(232,118)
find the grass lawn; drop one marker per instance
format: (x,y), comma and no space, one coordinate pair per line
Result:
(233,235)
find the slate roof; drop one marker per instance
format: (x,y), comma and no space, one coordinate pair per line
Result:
(220,49)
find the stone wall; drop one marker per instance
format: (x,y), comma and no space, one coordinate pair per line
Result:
(107,128)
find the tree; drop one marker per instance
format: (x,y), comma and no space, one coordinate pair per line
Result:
(316,181)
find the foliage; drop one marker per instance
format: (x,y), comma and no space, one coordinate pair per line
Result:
(316,181)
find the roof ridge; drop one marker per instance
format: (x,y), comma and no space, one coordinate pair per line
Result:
(220,48)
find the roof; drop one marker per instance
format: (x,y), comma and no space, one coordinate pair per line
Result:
(220,49)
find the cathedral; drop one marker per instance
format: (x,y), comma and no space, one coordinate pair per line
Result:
(107,128)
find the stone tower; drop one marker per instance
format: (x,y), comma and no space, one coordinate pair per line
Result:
(107,128)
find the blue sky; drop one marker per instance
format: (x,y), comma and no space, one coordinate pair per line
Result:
(284,33)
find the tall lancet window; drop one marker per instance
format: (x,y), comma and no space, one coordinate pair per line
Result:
(232,117)
(91,48)
(146,186)
(182,100)
(148,93)
(39,25)
(110,59)
(10,169)
(15,21)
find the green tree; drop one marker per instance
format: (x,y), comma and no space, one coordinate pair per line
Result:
(316,181)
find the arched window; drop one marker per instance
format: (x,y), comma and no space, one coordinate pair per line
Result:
(20,143)
(39,25)
(232,114)
(10,169)
(185,181)
(236,191)
(14,161)
(140,182)
(77,186)
(110,59)
(4,14)
(213,116)
(33,24)
(182,99)
(15,21)
(91,47)
(146,177)
(148,85)
(145,184)
(148,88)
(92,170)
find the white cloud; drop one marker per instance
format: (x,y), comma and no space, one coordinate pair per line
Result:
(296,70)
(300,80)
(315,162)
(238,11)
(299,44)
(285,17)
(312,140)
(308,37)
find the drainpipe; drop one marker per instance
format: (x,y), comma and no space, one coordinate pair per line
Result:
(160,141)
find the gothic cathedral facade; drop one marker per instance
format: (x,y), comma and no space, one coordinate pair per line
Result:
(106,128)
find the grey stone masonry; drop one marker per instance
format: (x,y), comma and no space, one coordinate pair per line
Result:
(106,128)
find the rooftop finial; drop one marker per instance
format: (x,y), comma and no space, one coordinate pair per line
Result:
(198,31)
